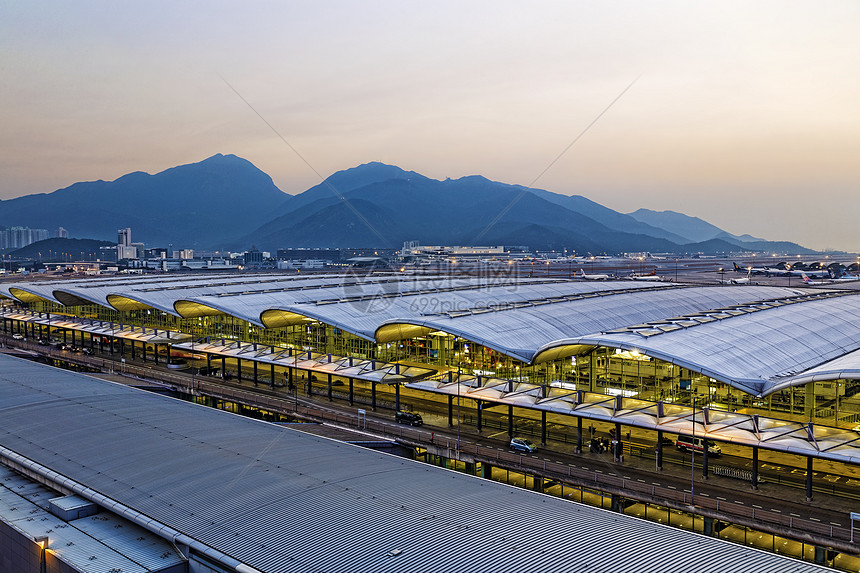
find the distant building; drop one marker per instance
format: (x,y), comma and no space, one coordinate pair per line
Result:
(18,237)
(125,249)
(61,233)
(253,257)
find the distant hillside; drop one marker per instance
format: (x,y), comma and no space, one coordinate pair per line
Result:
(454,211)
(224,202)
(59,250)
(192,205)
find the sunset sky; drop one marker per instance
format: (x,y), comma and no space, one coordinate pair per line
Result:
(742,113)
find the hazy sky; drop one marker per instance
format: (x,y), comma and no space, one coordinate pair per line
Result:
(744,113)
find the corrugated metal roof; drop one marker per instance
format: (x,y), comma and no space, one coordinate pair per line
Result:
(100,543)
(283,501)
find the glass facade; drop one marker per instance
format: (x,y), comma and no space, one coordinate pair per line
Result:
(603,370)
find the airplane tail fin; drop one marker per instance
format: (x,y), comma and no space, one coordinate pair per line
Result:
(737,268)
(805,277)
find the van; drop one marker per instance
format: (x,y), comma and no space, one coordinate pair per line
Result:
(411,418)
(688,443)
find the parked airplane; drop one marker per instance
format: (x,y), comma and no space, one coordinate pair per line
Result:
(582,275)
(809,281)
(739,281)
(652,276)
(766,271)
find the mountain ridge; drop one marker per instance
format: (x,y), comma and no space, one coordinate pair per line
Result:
(225,202)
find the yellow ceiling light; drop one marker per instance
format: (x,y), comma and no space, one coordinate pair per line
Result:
(562,351)
(400,331)
(124,303)
(26,296)
(190,309)
(277,318)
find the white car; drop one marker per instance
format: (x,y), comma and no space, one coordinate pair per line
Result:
(17,336)
(522,445)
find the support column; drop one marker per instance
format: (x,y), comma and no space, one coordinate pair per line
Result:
(272,375)
(592,372)
(480,415)
(255,372)
(619,447)
(130,341)
(208,363)
(142,345)
(351,394)
(290,382)
(328,389)
(396,396)
(310,382)
(543,428)
(373,395)
(450,411)
(809,478)
(755,467)
(510,421)
(704,458)
(239,369)
(154,348)
(223,368)
(578,449)
(660,451)
(709,525)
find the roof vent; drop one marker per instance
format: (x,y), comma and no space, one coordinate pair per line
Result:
(71,507)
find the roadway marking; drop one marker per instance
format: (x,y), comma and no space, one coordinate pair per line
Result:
(672,487)
(756,506)
(739,502)
(794,514)
(639,479)
(704,494)
(721,498)
(815,519)
(654,483)
(776,510)
(836,524)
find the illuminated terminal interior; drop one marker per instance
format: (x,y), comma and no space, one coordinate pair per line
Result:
(791,353)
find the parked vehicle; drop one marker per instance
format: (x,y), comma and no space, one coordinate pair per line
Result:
(689,443)
(406,417)
(522,445)
(17,336)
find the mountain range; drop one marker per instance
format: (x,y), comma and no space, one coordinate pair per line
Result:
(226,203)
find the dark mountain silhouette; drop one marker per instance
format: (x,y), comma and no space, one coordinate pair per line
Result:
(224,202)
(454,211)
(192,205)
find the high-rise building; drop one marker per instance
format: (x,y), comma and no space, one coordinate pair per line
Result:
(61,233)
(125,249)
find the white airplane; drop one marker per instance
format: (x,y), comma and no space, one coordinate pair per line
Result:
(809,281)
(582,275)
(739,281)
(652,276)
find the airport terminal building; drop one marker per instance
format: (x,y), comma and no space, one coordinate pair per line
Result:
(763,367)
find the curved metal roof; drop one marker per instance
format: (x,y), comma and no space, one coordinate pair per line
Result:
(756,338)
(760,350)
(265,498)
